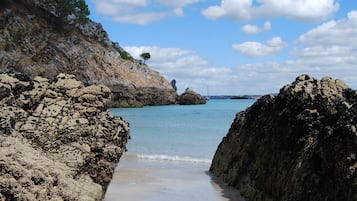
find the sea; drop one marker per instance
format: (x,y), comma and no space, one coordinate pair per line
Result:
(170,152)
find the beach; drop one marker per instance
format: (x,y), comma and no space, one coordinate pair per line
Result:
(170,152)
(148,180)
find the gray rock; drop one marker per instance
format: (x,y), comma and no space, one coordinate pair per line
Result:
(58,141)
(300,145)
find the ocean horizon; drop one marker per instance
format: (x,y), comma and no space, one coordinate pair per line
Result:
(170,152)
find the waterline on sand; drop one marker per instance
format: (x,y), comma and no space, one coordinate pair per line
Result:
(163,157)
(170,152)
(148,180)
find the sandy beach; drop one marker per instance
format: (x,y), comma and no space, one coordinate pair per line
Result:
(153,180)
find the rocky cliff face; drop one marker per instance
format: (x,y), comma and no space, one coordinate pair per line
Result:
(58,141)
(300,145)
(33,43)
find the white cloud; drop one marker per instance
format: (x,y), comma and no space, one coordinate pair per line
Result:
(252,29)
(326,50)
(244,10)
(142,18)
(267,26)
(141,11)
(176,3)
(340,32)
(188,69)
(178,12)
(158,54)
(256,49)
(330,43)
(115,7)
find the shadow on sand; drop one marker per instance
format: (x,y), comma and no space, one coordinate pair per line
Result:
(228,192)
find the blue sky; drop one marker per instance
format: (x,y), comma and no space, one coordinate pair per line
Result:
(235,47)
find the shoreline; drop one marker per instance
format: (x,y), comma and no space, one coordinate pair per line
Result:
(153,180)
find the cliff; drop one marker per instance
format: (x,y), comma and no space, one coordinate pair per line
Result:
(299,145)
(58,141)
(34,42)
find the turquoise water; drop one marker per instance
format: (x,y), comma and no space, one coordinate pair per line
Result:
(175,132)
(170,152)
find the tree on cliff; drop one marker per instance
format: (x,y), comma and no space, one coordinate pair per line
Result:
(66,9)
(145,56)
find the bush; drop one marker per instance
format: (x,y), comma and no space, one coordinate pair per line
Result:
(145,56)
(125,55)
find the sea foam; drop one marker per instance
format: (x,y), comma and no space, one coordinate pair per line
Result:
(158,157)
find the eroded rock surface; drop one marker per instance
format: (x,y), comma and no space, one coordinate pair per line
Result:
(300,145)
(58,141)
(33,43)
(190,97)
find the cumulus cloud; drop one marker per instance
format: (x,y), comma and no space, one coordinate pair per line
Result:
(186,67)
(330,43)
(142,18)
(256,49)
(244,10)
(141,11)
(252,29)
(177,4)
(326,50)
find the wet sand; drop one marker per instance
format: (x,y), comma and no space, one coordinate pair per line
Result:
(152,180)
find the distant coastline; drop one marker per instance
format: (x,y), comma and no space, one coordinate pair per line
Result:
(218,97)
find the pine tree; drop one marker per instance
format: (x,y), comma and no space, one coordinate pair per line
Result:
(145,56)
(65,8)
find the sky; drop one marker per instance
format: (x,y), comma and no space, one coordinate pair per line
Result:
(236,47)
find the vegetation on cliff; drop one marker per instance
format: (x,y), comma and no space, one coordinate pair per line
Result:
(37,38)
(67,9)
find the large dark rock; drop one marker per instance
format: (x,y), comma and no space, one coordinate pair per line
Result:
(300,145)
(58,141)
(190,97)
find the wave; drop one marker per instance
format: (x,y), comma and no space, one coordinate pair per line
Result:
(173,158)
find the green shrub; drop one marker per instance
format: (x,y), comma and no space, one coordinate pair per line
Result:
(64,8)
(145,56)
(125,55)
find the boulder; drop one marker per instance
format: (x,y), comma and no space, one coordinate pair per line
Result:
(58,141)
(299,145)
(190,97)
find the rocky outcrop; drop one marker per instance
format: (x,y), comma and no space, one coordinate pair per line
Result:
(32,43)
(300,145)
(190,97)
(58,141)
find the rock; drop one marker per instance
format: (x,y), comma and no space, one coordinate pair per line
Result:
(189,97)
(299,145)
(37,46)
(58,141)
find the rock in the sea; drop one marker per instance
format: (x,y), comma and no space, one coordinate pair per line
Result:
(300,145)
(58,141)
(190,97)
